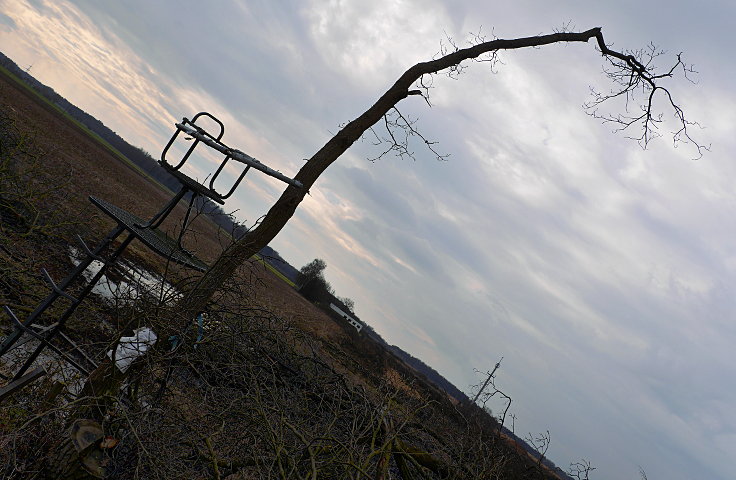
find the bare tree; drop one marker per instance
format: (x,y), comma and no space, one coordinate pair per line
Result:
(632,73)
(487,381)
(348,302)
(540,443)
(581,470)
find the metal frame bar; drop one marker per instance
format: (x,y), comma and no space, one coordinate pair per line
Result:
(235,154)
(196,142)
(157,219)
(45,343)
(186,220)
(15,385)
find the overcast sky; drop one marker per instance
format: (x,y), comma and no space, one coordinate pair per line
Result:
(603,274)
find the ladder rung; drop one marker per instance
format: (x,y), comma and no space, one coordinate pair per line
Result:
(56,288)
(88,251)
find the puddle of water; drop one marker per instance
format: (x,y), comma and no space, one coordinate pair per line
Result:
(136,282)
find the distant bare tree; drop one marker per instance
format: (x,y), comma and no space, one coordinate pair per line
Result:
(348,302)
(540,443)
(482,388)
(581,470)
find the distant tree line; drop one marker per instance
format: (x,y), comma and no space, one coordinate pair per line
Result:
(137,155)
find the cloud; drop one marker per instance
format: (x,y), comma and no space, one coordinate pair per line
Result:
(360,40)
(7,24)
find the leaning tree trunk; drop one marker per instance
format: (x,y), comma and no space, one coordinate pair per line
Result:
(195,300)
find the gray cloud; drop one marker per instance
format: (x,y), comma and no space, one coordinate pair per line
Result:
(7,23)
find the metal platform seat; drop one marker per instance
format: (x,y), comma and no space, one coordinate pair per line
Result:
(154,238)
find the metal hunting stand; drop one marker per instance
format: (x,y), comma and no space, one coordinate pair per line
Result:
(134,227)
